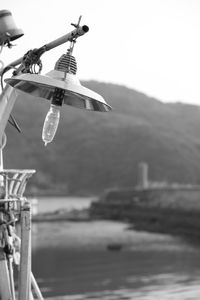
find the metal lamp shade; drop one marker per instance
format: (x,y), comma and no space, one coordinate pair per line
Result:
(8,29)
(43,86)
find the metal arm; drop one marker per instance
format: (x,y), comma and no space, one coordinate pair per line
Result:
(8,96)
(79,31)
(7,101)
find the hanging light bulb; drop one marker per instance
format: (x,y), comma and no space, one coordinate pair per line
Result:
(66,63)
(53,116)
(60,86)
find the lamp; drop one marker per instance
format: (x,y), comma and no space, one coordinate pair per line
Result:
(8,29)
(60,85)
(62,77)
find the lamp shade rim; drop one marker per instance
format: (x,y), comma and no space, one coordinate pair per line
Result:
(35,83)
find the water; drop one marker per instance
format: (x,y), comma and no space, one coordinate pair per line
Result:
(71,261)
(47,204)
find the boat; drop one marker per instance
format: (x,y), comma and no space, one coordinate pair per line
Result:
(114,246)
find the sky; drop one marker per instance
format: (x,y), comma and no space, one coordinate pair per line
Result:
(152,46)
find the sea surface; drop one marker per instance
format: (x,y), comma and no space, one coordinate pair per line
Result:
(71,260)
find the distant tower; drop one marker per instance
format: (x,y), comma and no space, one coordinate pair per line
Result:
(143,181)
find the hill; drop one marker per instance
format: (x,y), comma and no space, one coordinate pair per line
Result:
(93,151)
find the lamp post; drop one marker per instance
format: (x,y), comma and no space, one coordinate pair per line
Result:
(60,86)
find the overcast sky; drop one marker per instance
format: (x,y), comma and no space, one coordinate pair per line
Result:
(150,45)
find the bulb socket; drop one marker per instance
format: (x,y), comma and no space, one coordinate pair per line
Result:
(58,96)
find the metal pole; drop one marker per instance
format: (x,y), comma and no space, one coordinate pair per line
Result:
(6,283)
(5,290)
(3,143)
(67,37)
(25,261)
(36,288)
(12,284)
(79,31)
(9,95)
(7,101)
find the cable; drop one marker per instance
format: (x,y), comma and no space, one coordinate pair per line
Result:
(14,123)
(3,70)
(1,62)
(2,66)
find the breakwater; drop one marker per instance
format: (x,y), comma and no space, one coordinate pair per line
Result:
(174,210)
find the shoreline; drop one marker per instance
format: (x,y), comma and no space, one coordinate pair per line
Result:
(162,221)
(182,224)
(175,221)
(61,215)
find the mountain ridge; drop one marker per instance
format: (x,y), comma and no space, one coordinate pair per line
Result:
(93,151)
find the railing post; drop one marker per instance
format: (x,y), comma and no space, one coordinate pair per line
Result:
(25,262)
(5,291)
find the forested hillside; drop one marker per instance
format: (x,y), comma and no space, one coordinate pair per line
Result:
(93,151)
